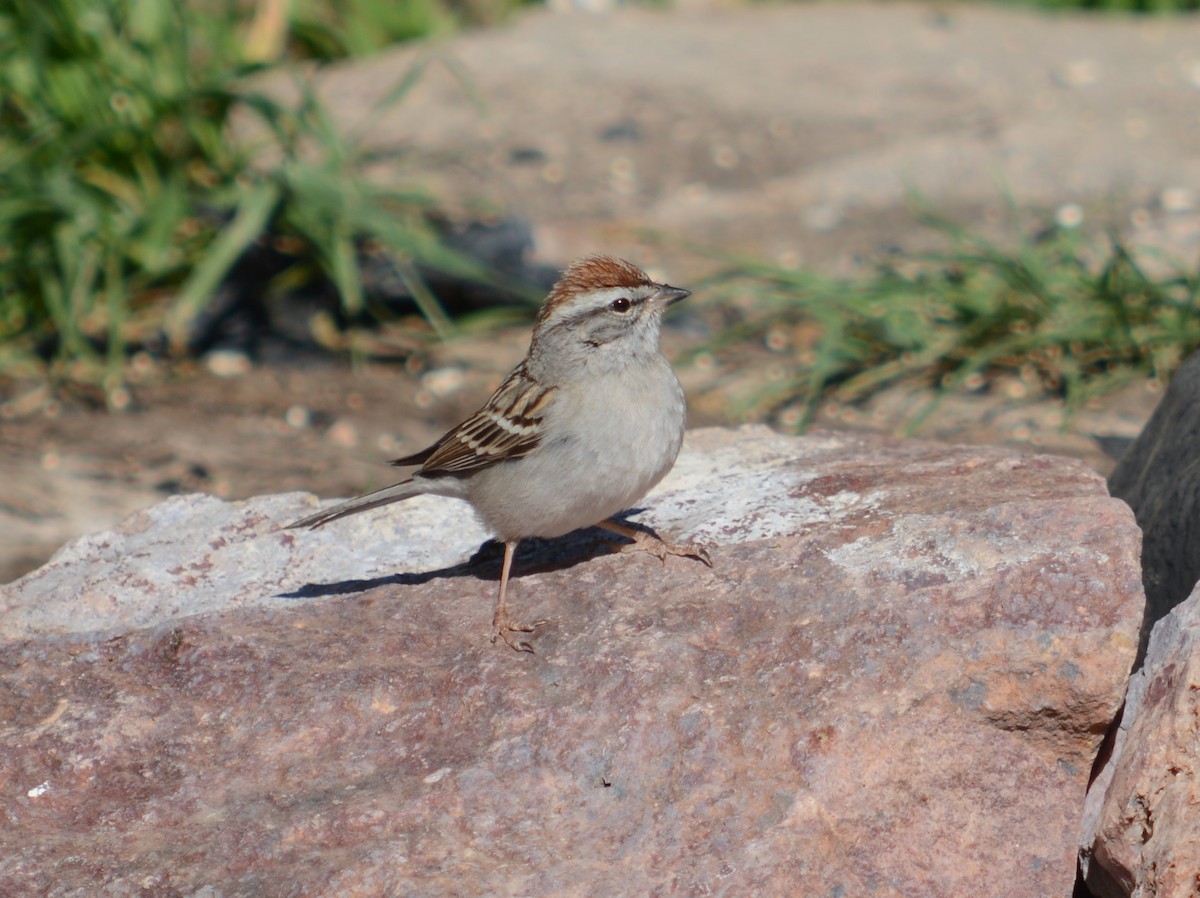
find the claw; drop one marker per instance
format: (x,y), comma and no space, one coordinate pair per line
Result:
(517,645)
(693,551)
(505,628)
(648,542)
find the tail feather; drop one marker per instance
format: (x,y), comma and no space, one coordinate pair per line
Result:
(397,492)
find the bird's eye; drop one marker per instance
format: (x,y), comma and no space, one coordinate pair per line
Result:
(620,304)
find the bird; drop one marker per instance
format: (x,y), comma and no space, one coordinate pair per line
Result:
(581,429)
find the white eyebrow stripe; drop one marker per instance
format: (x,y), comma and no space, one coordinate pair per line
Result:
(598,300)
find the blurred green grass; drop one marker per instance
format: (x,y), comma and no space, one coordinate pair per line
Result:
(1068,314)
(124,201)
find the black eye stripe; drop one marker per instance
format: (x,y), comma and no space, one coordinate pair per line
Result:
(593,312)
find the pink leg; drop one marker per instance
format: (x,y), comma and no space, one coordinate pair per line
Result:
(503,626)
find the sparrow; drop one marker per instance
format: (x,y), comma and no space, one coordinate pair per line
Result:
(589,421)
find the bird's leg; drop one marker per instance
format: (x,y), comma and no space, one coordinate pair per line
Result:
(503,625)
(650,542)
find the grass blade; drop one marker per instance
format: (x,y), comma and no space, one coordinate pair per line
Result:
(249,223)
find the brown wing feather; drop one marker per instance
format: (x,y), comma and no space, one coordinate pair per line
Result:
(508,426)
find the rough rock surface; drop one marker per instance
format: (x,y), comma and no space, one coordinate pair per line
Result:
(1159,476)
(1140,827)
(893,683)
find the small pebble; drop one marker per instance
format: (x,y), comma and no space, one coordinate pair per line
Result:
(343,433)
(119,399)
(1177,199)
(227,363)
(443,381)
(1069,215)
(298,417)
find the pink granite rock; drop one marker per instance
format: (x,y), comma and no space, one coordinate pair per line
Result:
(1142,821)
(892,683)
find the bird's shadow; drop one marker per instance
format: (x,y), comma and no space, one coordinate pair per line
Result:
(534,555)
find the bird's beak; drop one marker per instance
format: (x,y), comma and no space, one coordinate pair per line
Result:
(668,295)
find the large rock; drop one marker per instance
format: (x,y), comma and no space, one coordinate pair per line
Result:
(1140,829)
(1142,824)
(892,683)
(1159,476)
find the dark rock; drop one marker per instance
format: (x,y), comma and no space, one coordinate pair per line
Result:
(1159,476)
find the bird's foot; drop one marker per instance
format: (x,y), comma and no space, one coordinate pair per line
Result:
(660,549)
(504,627)
(648,542)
